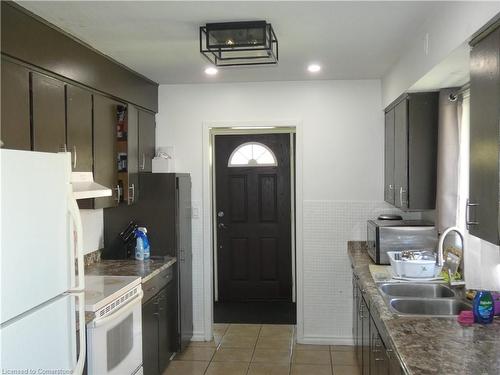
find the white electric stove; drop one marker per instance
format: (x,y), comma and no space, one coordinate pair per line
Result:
(114,336)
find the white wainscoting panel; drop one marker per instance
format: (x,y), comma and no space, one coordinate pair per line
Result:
(328,225)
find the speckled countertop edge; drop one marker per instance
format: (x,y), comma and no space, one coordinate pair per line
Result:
(430,345)
(146,270)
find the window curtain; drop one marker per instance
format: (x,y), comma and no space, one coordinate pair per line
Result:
(448,160)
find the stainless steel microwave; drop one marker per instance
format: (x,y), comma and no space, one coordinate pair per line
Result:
(398,235)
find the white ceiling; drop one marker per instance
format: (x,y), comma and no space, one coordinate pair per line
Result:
(351,40)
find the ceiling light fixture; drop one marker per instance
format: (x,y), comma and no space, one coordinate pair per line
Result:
(211,71)
(314,68)
(239,43)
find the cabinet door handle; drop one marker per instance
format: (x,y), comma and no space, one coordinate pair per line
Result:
(118,193)
(401,192)
(182,256)
(143,161)
(74,156)
(468,222)
(131,193)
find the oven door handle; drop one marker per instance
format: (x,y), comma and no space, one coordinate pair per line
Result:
(118,313)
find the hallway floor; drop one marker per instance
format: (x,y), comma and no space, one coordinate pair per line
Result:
(275,312)
(254,349)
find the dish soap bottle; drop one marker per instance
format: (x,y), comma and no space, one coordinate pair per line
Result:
(145,242)
(483,307)
(139,245)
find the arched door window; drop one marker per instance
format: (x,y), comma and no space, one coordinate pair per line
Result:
(252,154)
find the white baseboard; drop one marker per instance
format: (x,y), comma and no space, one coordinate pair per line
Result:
(326,340)
(198,336)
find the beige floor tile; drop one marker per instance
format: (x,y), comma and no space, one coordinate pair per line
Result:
(342,348)
(227,368)
(268,369)
(194,353)
(186,368)
(236,341)
(218,339)
(220,328)
(264,355)
(346,370)
(301,347)
(344,358)
(206,344)
(274,343)
(233,355)
(310,370)
(311,357)
(277,331)
(244,329)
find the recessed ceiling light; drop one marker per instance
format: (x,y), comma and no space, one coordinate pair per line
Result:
(211,71)
(314,68)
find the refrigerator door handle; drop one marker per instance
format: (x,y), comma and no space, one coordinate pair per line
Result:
(81,333)
(78,238)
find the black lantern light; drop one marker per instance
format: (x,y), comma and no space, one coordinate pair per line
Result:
(239,43)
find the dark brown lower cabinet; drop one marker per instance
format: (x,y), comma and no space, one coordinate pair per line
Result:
(159,326)
(374,352)
(150,337)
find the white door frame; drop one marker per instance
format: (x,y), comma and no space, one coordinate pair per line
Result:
(209,128)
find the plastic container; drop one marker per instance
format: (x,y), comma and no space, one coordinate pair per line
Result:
(139,248)
(414,269)
(142,249)
(483,307)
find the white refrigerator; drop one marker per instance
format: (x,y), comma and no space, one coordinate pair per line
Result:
(42,314)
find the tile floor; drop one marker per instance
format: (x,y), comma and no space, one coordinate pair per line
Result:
(254,349)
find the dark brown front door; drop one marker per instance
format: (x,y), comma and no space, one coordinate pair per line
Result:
(253,217)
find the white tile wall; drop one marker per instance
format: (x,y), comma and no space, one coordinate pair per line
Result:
(328,225)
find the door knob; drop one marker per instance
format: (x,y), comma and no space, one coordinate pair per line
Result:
(220,214)
(222,226)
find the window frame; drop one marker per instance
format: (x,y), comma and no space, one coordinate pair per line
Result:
(239,147)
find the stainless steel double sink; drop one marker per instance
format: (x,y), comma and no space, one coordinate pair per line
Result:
(422,299)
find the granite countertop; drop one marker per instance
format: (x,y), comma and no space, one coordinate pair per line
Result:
(131,267)
(430,345)
(128,267)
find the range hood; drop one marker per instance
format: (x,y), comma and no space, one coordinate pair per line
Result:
(85,187)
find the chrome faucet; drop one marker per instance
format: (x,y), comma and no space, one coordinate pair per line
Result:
(440,260)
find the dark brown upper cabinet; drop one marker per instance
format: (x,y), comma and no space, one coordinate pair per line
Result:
(411,125)
(15,132)
(105,149)
(482,210)
(147,129)
(127,138)
(48,113)
(389,158)
(79,127)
